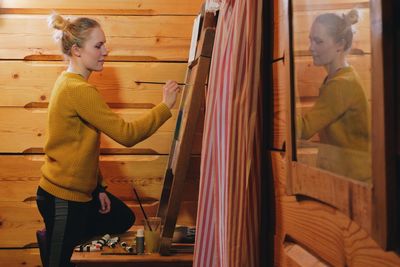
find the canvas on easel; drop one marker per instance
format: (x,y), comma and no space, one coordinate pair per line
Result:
(190,107)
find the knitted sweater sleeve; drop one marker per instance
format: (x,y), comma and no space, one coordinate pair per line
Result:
(92,108)
(335,98)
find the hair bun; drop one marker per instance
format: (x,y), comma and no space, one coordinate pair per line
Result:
(57,22)
(351,17)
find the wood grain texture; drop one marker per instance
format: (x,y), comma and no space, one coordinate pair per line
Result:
(20,257)
(136,38)
(280,68)
(309,78)
(20,175)
(106,7)
(281,85)
(383,174)
(297,256)
(26,129)
(96,259)
(351,197)
(321,229)
(19,221)
(302,21)
(146,174)
(124,83)
(307,5)
(280,29)
(19,217)
(181,149)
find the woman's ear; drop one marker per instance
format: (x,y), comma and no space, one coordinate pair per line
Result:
(75,50)
(340,45)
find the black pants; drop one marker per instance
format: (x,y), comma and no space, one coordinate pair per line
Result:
(69,223)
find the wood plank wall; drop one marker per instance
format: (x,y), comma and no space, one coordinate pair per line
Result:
(148,43)
(308,232)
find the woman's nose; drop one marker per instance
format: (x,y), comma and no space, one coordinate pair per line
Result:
(104,51)
(311,47)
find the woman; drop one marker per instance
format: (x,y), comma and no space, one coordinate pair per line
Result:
(72,196)
(340,115)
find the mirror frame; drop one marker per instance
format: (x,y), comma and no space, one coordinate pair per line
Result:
(366,204)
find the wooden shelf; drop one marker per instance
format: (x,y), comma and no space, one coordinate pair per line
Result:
(99,260)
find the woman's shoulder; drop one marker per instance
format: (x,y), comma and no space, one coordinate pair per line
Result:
(72,82)
(74,78)
(348,84)
(348,73)
(73,86)
(346,78)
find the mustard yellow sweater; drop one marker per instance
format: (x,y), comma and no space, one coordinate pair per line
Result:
(341,117)
(77,114)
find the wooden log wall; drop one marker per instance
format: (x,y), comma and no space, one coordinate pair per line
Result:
(149,44)
(309,232)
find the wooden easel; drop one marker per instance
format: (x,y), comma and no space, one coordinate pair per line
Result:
(190,105)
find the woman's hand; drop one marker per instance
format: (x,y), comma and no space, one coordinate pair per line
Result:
(170,91)
(105,203)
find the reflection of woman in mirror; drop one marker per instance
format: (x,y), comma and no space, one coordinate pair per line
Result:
(339,115)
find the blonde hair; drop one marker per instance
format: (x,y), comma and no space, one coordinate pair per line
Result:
(340,27)
(70,33)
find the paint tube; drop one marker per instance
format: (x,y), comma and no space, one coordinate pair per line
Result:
(112,242)
(104,240)
(140,241)
(87,248)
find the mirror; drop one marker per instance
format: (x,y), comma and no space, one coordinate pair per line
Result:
(332,84)
(339,141)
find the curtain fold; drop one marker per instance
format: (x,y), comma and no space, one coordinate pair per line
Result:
(228,219)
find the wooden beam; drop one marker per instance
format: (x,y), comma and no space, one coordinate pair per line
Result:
(25,132)
(20,176)
(103,7)
(129,38)
(121,83)
(280,85)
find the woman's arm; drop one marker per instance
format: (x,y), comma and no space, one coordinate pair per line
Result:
(92,108)
(335,98)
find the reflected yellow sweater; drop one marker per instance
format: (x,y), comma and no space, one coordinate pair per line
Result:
(341,117)
(77,114)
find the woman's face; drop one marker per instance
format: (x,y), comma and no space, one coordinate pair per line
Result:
(94,51)
(323,47)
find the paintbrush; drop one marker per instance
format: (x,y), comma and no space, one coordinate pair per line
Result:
(144,213)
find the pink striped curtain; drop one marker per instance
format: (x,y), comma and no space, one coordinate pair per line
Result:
(228,219)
